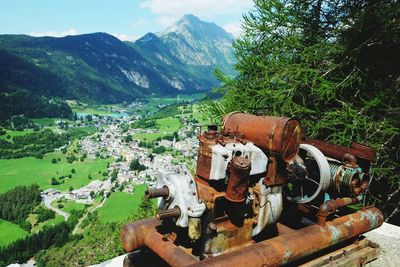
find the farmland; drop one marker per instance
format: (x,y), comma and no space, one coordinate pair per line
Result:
(29,170)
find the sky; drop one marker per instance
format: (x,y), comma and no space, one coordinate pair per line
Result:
(125,19)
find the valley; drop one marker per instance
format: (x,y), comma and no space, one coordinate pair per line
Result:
(86,122)
(100,174)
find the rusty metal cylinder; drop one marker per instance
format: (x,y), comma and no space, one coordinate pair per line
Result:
(144,233)
(169,213)
(158,192)
(238,180)
(295,245)
(276,135)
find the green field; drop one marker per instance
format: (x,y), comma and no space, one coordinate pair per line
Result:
(58,219)
(69,205)
(29,170)
(45,121)
(120,206)
(164,126)
(199,117)
(148,137)
(168,125)
(15,133)
(10,232)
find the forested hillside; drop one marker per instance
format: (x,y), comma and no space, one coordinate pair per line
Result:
(99,68)
(335,65)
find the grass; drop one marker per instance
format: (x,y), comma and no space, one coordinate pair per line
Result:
(69,205)
(58,219)
(29,170)
(15,133)
(45,121)
(199,117)
(164,126)
(10,232)
(168,125)
(147,137)
(120,205)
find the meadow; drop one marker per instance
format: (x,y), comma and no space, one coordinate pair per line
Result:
(29,170)
(120,205)
(68,205)
(164,126)
(10,232)
(14,133)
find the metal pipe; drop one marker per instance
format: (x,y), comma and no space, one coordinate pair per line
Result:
(143,233)
(157,192)
(330,206)
(300,243)
(338,151)
(169,213)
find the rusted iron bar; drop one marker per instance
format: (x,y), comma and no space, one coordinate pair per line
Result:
(158,192)
(300,243)
(143,233)
(169,213)
(338,151)
(283,229)
(330,206)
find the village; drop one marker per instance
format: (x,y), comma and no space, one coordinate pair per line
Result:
(111,141)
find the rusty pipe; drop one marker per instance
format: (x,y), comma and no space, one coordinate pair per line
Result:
(338,151)
(169,213)
(157,192)
(144,233)
(300,243)
(330,206)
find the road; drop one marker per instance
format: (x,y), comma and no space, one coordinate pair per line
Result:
(84,216)
(47,201)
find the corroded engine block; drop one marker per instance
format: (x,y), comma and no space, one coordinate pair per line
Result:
(256,181)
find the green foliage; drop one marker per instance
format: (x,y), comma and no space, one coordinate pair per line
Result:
(33,144)
(144,124)
(100,243)
(44,214)
(22,249)
(135,165)
(334,65)
(31,105)
(159,149)
(16,204)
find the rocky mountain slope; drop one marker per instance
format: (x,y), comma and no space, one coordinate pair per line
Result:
(99,67)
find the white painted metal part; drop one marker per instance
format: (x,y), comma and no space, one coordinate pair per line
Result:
(271,205)
(222,155)
(183,194)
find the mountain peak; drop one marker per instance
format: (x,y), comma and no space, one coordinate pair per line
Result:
(190,25)
(190,18)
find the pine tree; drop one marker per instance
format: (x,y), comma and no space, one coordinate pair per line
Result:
(335,65)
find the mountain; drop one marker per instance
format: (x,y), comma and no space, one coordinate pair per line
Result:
(99,67)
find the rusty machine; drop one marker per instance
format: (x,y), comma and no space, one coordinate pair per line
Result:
(262,195)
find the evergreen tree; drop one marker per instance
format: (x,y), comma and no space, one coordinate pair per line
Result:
(335,65)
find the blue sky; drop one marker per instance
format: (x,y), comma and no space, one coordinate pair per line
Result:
(126,19)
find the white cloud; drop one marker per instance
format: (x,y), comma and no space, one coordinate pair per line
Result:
(172,10)
(140,23)
(126,37)
(234,28)
(71,31)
